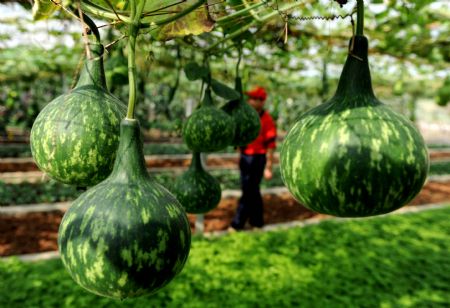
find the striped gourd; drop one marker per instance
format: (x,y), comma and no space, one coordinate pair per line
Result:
(197,190)
(246,118)
(208,128)
(128,235)
(75,137)
(353,156)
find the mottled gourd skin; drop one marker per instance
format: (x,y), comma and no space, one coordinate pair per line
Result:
(75,137)
(197,190)
(127,236)
(246,118)
(353,156)
(208,129)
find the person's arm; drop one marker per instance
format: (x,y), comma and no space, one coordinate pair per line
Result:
(268,174)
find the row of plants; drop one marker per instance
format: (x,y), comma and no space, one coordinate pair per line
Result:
(52,191)
(390,261)
(23,150)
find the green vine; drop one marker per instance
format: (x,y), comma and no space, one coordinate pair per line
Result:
(136,12)
(360,18)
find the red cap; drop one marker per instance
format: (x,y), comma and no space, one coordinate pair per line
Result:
(258,93)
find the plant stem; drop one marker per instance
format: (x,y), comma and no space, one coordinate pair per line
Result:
(232,17)
(102,12)
(360,17)
(136,12)
(252,24)
(239,60)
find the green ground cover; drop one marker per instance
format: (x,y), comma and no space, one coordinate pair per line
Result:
(388,261)
(51,191)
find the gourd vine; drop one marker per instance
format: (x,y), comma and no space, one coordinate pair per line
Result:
(134,27)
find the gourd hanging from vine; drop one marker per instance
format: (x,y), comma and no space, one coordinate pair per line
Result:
(245,117)
(127,236)
(196,189)
(208,129)
(75,137)
(354,156)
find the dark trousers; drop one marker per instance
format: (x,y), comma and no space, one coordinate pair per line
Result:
(250,205)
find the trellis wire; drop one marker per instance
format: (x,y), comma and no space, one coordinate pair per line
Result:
(286,16)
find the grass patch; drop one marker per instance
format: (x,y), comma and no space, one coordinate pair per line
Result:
(390,261)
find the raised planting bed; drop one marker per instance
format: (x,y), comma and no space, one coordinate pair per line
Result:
(388,261)
(36,232)
(18,189)
(164,155)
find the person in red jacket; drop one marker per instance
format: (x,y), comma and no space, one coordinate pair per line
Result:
(256,161)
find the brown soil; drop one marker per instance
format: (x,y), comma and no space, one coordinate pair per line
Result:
(37,232)
(27,164)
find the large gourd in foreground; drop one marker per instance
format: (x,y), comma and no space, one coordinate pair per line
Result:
(128,235)
(196,189)
(353,156)
(75,137)
(245,116)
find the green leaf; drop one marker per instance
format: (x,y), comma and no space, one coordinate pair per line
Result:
(223,90)
(194,23)
(194,71)
(43,9)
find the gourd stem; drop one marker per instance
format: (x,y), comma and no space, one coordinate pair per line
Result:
(136,12)
(239,60)
(90,23)
(360,17)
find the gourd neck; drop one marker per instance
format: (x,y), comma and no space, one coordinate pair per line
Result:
(355,78)
(207,99)
(130,163)
(93,72)
(196,162)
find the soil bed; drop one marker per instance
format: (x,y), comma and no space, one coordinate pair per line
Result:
(230,160)
(37,232)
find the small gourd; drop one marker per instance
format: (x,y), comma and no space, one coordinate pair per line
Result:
(208,129)
(127,236)
(75,137)
(245,116)
(196,189)
(353,156)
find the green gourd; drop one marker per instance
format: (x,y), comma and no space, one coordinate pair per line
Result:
(245,116)
(353,156)
(196,189)
(75,137)
(208,128)
(127,236)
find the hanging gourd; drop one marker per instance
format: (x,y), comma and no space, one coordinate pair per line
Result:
(196,189)
(127,236)
(74,139)
(208,129)
(354,156)
(245,116)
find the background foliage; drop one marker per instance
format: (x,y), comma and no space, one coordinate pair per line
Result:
(408,39)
